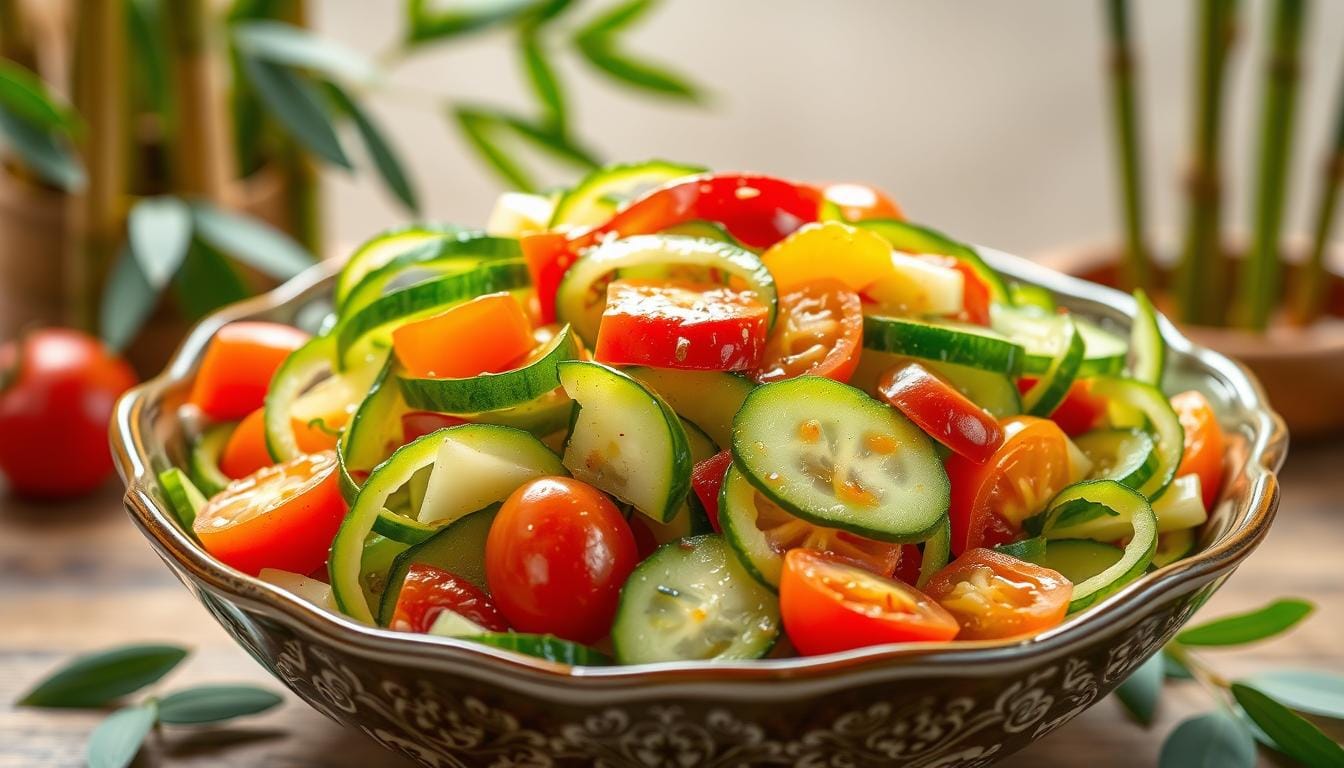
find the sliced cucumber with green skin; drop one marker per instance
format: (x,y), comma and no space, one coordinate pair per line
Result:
(203,459)
(1122,504)
(1054,383)
(479,464)
(1126,455)
(1147,349)
(427,261)
(709,399)
(580,302)
(542,417)
(372,323)
(298,372)
(709,230)
(374,430)
(1031,296)
(1173,546)
(379,555)
(1103,352)
(738,519)
(691,519)
(458,548)
(1078,559)
(831,455)
(994,392)
(1181,507)
(626,440)
(946,341)
(184,498)
(600,194)
(548,647)
(389,477)
(382,248)
(691,600)
(936,553)
(1135,404)
(493,391)
(913,238)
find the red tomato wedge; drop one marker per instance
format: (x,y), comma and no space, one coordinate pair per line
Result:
(707,481)
(907,570)
(245,452)
(681,325)
(279,517)
(548,255)
(941,411)
(991,499)
(417,424)
(828,605)
(428,591)
(857,202)
(818,331)
(974,294)
(1079,412)
(997,597)
(1204,443)
(238,365)
(484,335)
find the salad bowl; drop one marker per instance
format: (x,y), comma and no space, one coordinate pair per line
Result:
(447,702)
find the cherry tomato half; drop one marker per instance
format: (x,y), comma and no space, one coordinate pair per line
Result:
(940,410)
(995,597)
(819,331)
(1204,443)
(857,202)
(282,517)
(238,365)
(828,605)
(707,481)
(429,591)
(681,325)
(556,558)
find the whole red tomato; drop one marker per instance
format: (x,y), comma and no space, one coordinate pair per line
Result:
(57,391)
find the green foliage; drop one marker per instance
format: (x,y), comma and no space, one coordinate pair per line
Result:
(1312,691)
(1275,618)
(38,129)
(117,739)
(1140,692)
(101,678)
(1214,740)
(1289,731)
(215,703)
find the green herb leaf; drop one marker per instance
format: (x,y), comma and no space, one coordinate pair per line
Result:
(25,96)
(117,739)
(96,679)
(424,24)
(1273,619)
(380,150)
(128,300)
(1313,691)
(1140,692)
(160,234)
(1296,737)
(251,241)
(1174,668)
(1214,740)
(48,157)
(285,44)
(613,20)
(207,282)
(545,85)
(479,129)
(627,70)
(295,103)
(215,703)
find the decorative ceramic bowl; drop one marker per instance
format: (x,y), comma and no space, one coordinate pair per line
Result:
(448,702)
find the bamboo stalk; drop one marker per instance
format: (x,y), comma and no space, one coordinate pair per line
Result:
(199,150)
(1200,280)
(1262,270)
(1137,264)
(100,96)
(302,177)
(16,42)
(1310,290)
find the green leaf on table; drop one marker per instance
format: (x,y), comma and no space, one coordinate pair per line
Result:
(425,24)
(215,703)
(128,300)
(542,77)
(1139,693)
(380,150)
(1174,668)
(1275,618)
(481,132)
(628,70)
(251,241)
(96,679)
(613,20)
(1213,740)
(48,155)
(25,96)
(296,104)
(279,43)
(160,235)
(207,282)
(116,740)
(1313,691)
(1290,732)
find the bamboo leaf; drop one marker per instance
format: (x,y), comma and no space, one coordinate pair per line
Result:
(614,20)
(48,157)
(1140,692)
(128,300)
(295,103)
(380,150)
(215,703)
(117,739)
(425,24)
(96,679)
(627,70)
(1214,740)
(542,77)
(285,44)
(1174,668)
(251,241)
(479,129)
(1289,731)
(1313,691)
(25,96)
(549,140)
(549,11)
(160,235)
(206,282)
(1273,619)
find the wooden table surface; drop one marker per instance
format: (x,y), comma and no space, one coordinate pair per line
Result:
(78,577)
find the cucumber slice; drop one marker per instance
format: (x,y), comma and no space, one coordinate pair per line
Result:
(548,647)
(994,392)
(453,624)
(579,301)
(691,600)
(946,341)
(1182,506)
(1053,385)
(493,391)
(298,372)
(1078,559)
(1147,350)
(1103,352)
(382,248)
(913,238)
(374,430)
(709,399)
(691,519)
(599,194)
(1026,295)
(625,440)
(936,554)
(379,555)
(426,260)
(184,498)
(709,230)
(541,417)
(1128,456)
(479,464)
(1173,546)
(203,459)
(458,548)
(830,454)
(1115,501)
(1135,404)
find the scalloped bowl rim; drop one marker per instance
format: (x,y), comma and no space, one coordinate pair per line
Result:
(1265,454)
